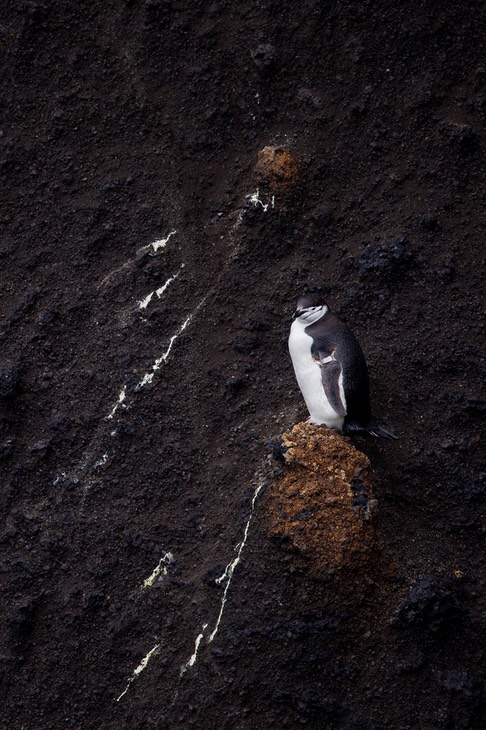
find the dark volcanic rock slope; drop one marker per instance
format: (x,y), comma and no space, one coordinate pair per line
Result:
(147,279)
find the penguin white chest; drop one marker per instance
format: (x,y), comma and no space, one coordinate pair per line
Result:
(308,374)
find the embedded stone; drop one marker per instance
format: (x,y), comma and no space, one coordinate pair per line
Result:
(276,166)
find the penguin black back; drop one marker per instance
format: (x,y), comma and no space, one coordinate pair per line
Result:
(331,335)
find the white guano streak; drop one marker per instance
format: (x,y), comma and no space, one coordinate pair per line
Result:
(161,569)
(121,398)
(193,657)
(143,304)
(148,377)
(139,669)
(84,464)
(254,198)
(150,248)
(161,243)
(230,568)
(101,461)
(228,576)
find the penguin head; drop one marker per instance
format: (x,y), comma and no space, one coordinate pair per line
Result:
(310,308)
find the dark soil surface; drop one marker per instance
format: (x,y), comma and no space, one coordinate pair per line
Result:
(125,121)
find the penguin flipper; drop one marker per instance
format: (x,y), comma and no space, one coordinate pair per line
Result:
(331,377)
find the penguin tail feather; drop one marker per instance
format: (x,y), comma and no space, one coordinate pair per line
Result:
(372,428)
(376,430)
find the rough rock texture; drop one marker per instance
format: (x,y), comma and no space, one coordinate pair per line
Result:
(323,504)
(276,167)
(127,123)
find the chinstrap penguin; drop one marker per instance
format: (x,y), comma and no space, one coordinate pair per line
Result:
(331,370)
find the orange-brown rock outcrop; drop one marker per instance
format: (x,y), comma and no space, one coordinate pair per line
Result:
(323,504)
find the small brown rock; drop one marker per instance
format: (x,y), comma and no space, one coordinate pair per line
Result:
(277,166)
